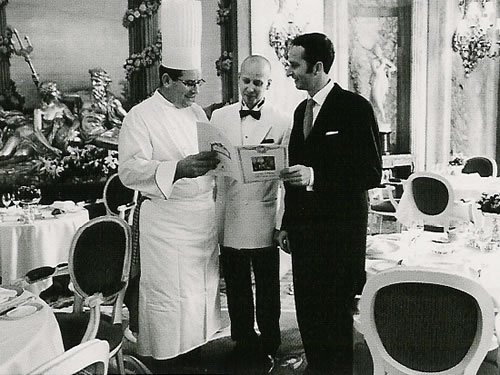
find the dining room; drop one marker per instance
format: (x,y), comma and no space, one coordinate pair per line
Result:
(71,73)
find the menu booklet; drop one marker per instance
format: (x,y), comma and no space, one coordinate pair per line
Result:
(249,163)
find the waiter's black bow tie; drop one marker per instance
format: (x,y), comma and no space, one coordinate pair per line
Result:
(245,112)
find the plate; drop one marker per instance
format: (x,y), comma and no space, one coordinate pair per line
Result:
(22,311)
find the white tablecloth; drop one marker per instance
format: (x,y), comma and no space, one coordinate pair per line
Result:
(455,257)
(468,187)
(27,342)
(45,242)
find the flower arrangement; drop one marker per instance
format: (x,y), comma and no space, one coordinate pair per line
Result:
(145,9)
(489,203)
(144,59)
(457,161)
(223,14)
(80,164)
(280,39)
(224,63)
(472,47)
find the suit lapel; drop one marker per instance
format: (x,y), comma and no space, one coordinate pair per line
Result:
(331,105)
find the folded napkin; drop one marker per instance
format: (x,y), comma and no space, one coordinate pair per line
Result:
(67,206)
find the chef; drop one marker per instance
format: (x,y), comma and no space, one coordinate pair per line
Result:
(179,307)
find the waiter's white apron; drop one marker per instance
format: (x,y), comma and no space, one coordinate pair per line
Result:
(179,305)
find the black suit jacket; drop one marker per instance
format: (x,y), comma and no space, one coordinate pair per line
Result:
(343,149)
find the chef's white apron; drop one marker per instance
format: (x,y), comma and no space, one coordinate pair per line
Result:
(179,305)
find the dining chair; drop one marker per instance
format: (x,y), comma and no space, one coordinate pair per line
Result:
(383,204)
(426,321)
(483,165)
(99,263)
(432,198)
(118,199)
(90,357)
(123,202)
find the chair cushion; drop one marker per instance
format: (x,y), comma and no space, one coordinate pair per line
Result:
(479,165)
(384,206)
(73,326)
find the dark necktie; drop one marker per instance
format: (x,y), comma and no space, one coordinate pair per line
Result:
(245,112)
(308,117)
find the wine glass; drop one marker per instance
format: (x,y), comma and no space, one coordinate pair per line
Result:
(15,199)
(6,199)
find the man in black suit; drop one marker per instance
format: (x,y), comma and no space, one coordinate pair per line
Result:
(335,158)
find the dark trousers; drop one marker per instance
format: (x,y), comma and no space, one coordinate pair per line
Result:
(322,266)
(236,267)
(131,300)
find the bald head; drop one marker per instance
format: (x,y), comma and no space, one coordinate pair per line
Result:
(256,62)
(254,79)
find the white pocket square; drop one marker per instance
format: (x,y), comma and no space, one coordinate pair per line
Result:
(333,132)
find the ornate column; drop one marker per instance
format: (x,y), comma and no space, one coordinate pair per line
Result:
(227,64)
(141,20)
(4,50)
(9,97)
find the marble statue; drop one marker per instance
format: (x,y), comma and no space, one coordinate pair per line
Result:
(382,68)
(105,112)
(52,128)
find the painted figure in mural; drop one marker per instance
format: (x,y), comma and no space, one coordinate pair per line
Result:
(51,130)
(382,68)
(104,112)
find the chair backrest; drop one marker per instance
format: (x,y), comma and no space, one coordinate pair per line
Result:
(383,198)
(91,356)
(419,321)
(432,196)
(116,194)
(99,258)
(483,165)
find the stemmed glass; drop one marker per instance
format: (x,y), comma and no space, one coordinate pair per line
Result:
(6,199)
(16,200)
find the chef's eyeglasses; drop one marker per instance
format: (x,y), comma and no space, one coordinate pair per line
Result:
(192,83)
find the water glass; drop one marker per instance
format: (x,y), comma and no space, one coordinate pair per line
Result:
(410,235)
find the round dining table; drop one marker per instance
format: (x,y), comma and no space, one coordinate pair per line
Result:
(30,335)
(44,241)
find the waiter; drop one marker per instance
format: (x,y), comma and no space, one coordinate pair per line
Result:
(179,307)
